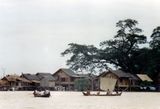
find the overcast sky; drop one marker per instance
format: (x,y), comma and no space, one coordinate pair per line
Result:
(33,33)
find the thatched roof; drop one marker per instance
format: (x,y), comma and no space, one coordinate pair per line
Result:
(3,82)
(14,78)
(144,77)
(120,74)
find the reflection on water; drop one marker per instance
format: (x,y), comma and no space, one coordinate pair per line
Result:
(75,100)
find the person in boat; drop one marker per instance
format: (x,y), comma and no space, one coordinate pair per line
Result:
(116,91)
(46,92)
(36,92)
(88,92)
(98,93)
(108,92)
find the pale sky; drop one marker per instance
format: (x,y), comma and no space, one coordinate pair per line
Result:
(33,33)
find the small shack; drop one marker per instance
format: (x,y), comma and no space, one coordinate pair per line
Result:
(124,80)
(145,82)
(35,81)
(144,77)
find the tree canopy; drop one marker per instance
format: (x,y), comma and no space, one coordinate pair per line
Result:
(124,51)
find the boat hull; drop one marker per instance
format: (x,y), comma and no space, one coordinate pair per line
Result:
(117,94)
(41,95)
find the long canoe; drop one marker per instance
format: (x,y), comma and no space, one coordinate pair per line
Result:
(116,94)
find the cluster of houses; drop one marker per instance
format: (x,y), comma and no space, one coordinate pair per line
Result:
(64,79)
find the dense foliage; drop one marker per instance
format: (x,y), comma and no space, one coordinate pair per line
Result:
(125,51)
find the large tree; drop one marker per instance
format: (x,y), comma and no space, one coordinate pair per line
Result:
(120,51)
(154,67)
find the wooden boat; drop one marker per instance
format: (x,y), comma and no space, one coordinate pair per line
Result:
(115,94)
(107,85)
(37,94)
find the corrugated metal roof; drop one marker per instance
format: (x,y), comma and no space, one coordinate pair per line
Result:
(144,77)
(46,75)
(30,77)
(69,72)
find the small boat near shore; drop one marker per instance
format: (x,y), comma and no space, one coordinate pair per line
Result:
(45,93)
(107,85)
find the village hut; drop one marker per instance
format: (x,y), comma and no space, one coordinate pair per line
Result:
(15,82)
(35,81)
(124,80)
(65,79)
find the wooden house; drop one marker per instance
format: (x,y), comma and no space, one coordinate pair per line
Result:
(35,81)
(4,85)
(46,80)
(65,79)
(124,80)
(15,82)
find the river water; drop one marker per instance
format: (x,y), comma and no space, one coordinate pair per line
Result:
(75,100)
